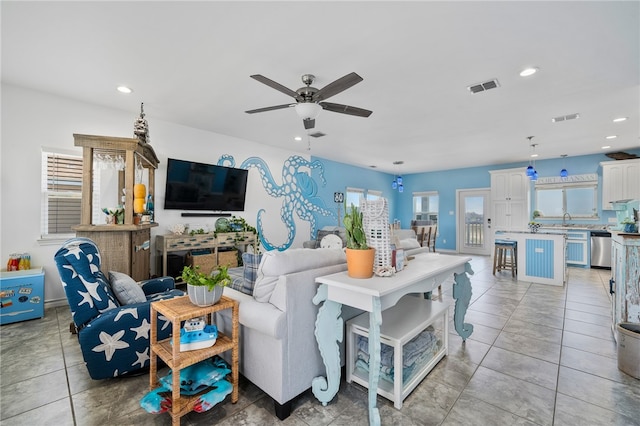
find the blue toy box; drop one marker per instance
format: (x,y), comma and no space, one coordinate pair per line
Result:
(21,295)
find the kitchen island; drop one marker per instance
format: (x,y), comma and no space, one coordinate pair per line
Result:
(541,256)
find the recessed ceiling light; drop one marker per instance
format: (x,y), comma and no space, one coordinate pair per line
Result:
(528,71)
(619,119)
(534,155)
(124,89)
(606,147)
(297,138)
(611,137)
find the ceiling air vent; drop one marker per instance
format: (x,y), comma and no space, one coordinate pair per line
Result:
(565,117)
(482,87)
(317,134)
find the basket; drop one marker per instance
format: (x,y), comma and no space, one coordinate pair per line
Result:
(205,261)
(375,219)
(228,258)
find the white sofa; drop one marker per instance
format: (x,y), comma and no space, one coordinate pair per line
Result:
(278,349)
(407,239)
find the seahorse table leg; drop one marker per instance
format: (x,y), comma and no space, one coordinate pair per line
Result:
(329,331)
(462,295)
(375,319)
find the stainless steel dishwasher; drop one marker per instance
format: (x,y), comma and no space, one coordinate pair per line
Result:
(601,249)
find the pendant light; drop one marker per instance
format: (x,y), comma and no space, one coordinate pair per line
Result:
(533,176)
(397,179)
(564,174)
(530,168)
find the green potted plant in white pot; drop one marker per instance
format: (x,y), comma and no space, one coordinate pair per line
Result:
(360,257)
(203,289)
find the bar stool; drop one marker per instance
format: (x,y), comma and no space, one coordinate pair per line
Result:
(505,256)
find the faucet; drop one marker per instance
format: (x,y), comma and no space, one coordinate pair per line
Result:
(564,216)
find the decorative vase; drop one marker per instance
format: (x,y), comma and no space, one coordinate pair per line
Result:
(630,227)
(200,295)
(534,227)
(360,263)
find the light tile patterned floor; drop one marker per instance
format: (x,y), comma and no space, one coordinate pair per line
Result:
(539,355)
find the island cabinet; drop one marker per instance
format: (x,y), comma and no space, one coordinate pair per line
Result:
(541,256)
(620,181)
(624,285)
(510,189)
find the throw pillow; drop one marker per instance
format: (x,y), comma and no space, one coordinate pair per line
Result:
(409,243)
(127,291)
(251,263)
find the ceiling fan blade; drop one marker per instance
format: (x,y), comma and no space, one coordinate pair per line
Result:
(279,87)
(309,123)
(337,86)
(271,108)
(345,109)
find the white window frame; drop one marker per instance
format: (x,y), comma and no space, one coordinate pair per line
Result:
(352,192)
(373,194)
(425,194)
(47,194)
(588,181)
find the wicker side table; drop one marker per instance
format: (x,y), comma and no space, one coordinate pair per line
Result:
(177,310)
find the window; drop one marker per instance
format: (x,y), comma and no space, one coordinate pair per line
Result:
(425,207)
(577,197)
(373,195)
(353,196)
(61,193)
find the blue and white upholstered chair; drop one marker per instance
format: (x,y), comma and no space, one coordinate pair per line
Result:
(111,316)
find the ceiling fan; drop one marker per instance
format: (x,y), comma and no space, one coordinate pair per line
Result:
(310,101)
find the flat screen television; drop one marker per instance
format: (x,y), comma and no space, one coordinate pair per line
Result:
(199,186)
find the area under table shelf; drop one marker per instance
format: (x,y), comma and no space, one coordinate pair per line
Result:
(400,323)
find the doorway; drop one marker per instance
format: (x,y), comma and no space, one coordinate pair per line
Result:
(473,228)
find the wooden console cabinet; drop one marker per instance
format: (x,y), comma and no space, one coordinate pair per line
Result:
(171,242)
(124,248)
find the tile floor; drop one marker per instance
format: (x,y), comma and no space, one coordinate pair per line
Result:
(539,355)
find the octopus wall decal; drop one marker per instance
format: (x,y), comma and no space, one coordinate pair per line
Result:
(298,190)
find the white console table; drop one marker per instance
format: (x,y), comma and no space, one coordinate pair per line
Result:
(374,295)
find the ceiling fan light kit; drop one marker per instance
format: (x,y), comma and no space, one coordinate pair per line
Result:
(309,100)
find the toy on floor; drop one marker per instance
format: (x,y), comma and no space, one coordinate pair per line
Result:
(206,376)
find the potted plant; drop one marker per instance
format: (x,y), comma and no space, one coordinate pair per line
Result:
(629,225)
(203,289)
(360,257)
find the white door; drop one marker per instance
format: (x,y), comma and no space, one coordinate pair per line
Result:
(474,206)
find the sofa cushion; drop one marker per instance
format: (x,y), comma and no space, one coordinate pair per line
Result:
(409,243)
(126,290)
(262,317)
(276,263)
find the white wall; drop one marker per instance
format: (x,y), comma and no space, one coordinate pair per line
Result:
(32,120)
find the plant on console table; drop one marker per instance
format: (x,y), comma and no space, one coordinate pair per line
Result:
(533,227)
(360,257)
(205,289)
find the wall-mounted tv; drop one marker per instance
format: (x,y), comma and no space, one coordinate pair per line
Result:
(199,186)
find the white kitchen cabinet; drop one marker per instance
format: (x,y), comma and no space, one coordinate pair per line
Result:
(510,193)
(620,181)
(578,248)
